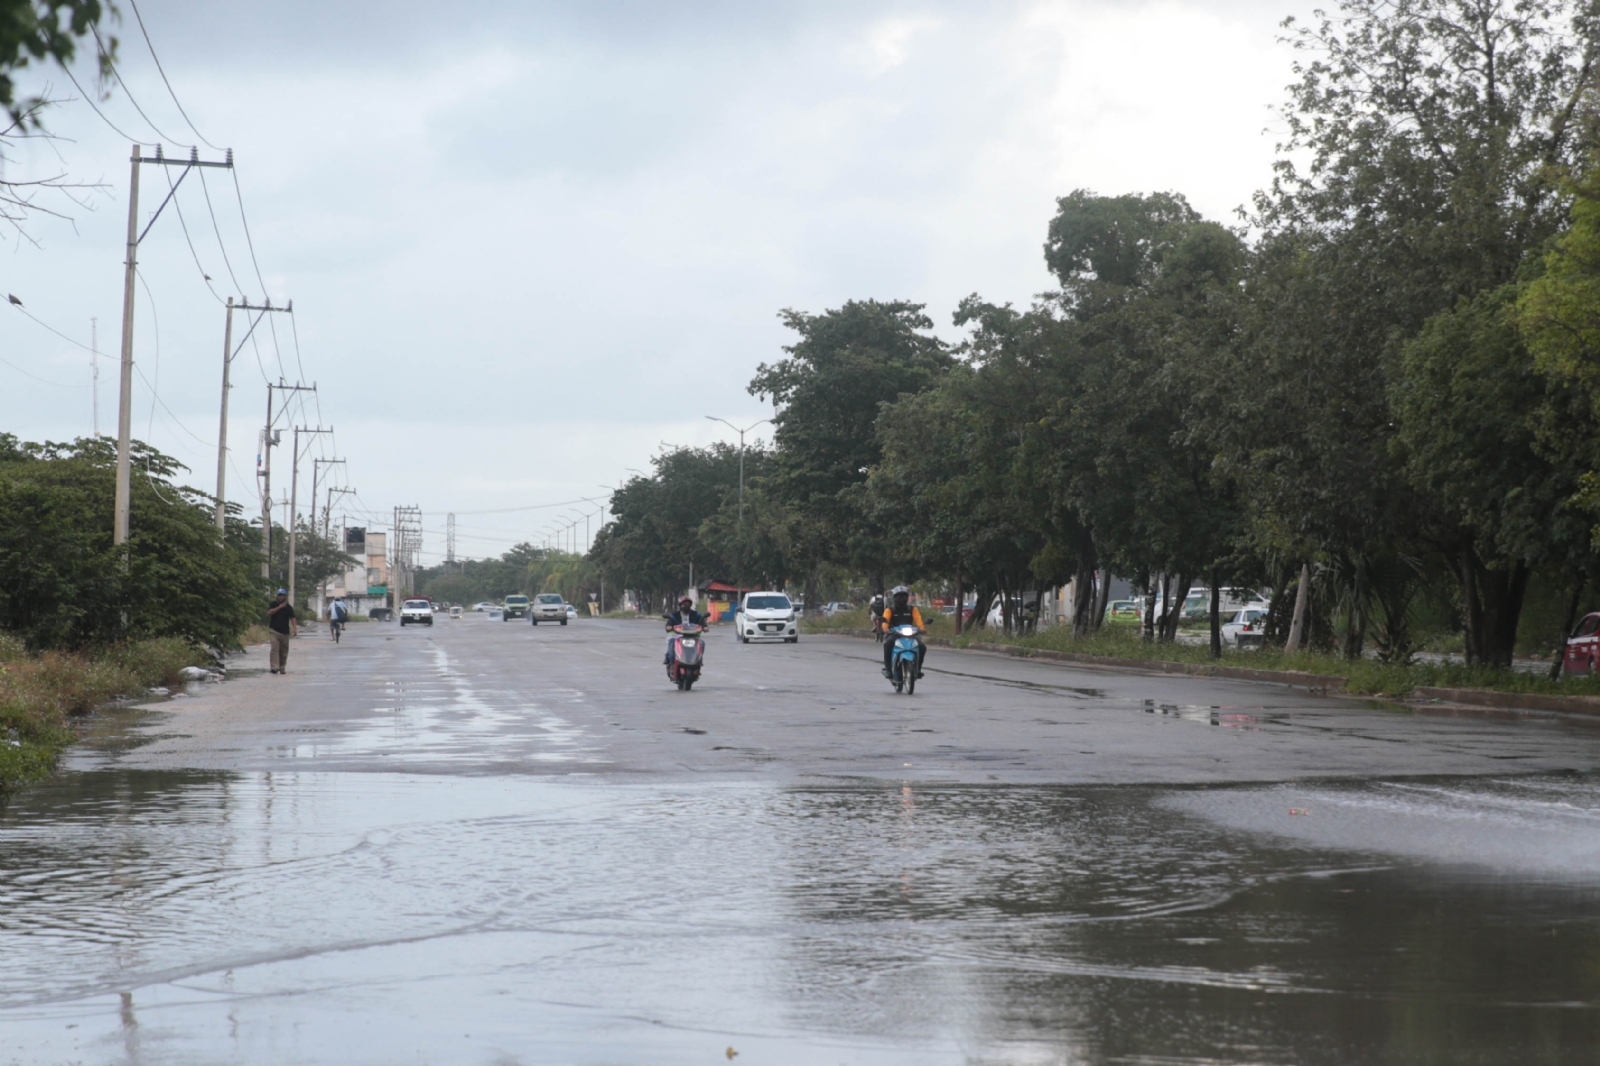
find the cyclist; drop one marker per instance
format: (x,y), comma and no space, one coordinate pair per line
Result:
(338,615)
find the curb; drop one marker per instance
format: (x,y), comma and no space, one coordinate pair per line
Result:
(1511,701)
(1294,678)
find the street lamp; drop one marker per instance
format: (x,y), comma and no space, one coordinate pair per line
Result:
(741,433)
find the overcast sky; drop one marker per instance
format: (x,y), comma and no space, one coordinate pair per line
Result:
(528,244)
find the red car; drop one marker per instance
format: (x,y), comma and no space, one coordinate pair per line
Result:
(1582,654)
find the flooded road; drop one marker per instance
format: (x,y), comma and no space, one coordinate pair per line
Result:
(503,845)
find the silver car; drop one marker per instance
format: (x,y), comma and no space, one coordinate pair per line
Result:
(548,607)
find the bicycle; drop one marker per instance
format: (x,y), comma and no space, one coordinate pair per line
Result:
(336,627)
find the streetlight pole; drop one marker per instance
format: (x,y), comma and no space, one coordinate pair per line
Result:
(741,433)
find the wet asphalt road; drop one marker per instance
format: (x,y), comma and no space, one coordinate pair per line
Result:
(491,842)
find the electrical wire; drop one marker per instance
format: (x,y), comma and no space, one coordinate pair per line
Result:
(155,320)
(90,101)
(218,231)
(105,57)
(184,223)
(164,81)
(58,333)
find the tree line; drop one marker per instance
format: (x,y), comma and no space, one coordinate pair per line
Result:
(1382,381)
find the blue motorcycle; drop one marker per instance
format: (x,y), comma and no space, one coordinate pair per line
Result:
(903,659)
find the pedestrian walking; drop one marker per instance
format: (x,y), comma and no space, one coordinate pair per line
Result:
(283,626)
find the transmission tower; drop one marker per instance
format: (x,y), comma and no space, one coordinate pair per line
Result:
(407,548)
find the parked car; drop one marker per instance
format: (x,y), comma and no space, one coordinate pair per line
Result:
(767,616)
(1123,612)
(514,607)
(416,612)
(837,607)
(1582,653)
(1248,628)
(486,605)
(549,607)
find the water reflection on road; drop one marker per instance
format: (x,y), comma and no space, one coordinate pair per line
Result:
(365,917)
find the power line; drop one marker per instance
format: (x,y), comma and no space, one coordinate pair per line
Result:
(164,81)
(90,101)
(105,57)
(178,206)
(218,231)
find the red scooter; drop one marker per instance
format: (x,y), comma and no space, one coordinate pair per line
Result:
(688,650)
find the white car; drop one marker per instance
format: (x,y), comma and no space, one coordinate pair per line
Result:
(572,612)
(1248,628)
(767,616)
(486,605)
(837,607)
(548,607)
(418,611)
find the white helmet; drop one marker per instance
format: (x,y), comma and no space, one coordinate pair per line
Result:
(900,590)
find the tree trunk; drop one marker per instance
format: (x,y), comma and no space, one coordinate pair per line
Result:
(811,587)
(1174,609)
(1147,622)
(1503,593)
(1038,605)
(1216,616)
(1471,610)
(1302,596)
(1082,596)
(1572,620)
(1102,601)
(958,601)
(980,608)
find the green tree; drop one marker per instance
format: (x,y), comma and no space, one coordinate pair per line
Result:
(64,585)
(826,392)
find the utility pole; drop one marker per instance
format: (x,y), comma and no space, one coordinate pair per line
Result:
(94,366)
(228,352)
(327,520)
(316,471)
(265,474)
(741,433)
(294,495)
(124,490)
(449,540)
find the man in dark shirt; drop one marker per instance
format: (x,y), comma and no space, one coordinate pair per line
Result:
(283,626)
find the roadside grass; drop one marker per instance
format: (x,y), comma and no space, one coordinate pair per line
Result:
(41,694)
(256,634)
(1362,676)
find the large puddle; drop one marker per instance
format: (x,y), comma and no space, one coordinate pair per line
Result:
(381,918)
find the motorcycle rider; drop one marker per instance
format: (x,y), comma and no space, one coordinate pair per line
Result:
(685,615)
(875,612)
(901,613)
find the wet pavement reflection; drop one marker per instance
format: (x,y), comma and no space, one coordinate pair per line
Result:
(189,917)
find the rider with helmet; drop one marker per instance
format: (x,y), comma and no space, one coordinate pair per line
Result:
(901,613)
(875,612)
(685,615)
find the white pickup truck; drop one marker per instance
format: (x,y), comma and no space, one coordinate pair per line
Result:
(417,611)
